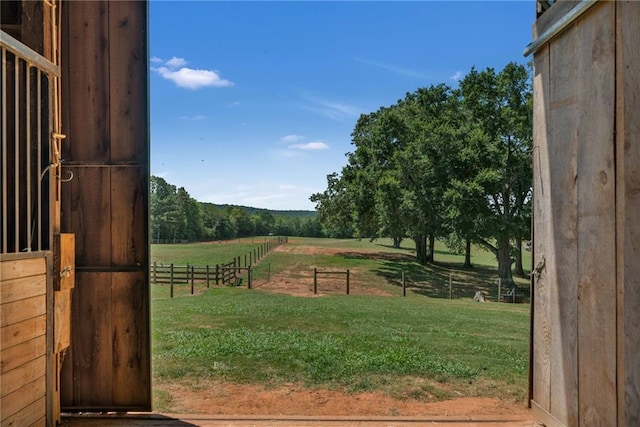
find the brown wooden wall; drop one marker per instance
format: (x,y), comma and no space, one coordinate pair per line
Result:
(586,310)
(105,117)
(25,313)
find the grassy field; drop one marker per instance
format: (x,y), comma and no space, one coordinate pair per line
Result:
(413,347)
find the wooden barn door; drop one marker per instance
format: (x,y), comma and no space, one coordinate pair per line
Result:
(105,118)
(586,298)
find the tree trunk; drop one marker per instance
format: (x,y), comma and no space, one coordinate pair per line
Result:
(467,254)
(504,262)
(518,265)
(432,246)
(396,242)
(421,248)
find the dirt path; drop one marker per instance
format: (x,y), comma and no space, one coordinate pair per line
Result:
(214,398)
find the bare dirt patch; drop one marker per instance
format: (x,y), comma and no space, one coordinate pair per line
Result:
(213,398)
(299,281)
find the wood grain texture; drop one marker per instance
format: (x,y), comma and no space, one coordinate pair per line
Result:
(18,289)
(25,374)
(131,345)
(24,396)
(541,216)
(89,215)
(128,104)
(62,320)
(628,210)
(21,310)
(563,204)
(28,416)
(106,205)
(16,269)
(595,50)
(87,122)
(92,341)
(24,331)
(18,355)
(129,213)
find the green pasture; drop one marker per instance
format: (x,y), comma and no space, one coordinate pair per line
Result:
(413,347)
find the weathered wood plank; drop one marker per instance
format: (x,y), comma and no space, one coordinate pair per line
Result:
(16,269)
(18,289)
(16,378)
(92,340)
(21,310)
(542,224)
(563,203)
(552,15)
(62,320)
(64,261)
(129,216)
(88,122)
(595,50)
(89,218)
(628,210)
(22,397)
(18,355)
(20,332)
(28,416)
(128,104)
(131,347)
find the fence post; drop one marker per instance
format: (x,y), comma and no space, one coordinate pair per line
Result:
(347,282)
(207,276)
(450,287)
(268,272)
(245,260)
(404,285)
(192,280)
(155,272)
(499,286)
(255,258)
(217,274)
(249,278)
(315,280)
(171,280)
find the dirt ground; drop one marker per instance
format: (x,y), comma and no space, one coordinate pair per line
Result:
(215,398)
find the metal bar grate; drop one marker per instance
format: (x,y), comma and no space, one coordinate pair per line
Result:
(26,160)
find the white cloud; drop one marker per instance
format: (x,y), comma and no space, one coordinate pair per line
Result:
(176,62)
(194,118)
(457,76)
(156,60)
(290,139)
(189,78)
(287,187)
(316,145)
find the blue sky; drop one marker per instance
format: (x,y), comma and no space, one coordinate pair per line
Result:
(253,103)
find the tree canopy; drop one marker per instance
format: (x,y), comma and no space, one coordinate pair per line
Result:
(443,162)
(176,217)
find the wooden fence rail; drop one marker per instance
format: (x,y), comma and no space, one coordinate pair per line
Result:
(328,273)
(218,274)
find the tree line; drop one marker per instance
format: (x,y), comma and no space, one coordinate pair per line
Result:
(176,217)
(442,163)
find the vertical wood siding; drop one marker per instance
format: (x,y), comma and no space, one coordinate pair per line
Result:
(586,326)
(105,74)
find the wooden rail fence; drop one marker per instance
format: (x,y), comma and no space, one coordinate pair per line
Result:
(316,273)
(219,274)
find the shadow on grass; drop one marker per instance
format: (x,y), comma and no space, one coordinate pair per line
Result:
(435,280)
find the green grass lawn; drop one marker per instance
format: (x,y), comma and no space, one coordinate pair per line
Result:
(413,347)
(355,343)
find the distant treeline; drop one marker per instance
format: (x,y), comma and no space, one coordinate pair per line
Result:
(176,217)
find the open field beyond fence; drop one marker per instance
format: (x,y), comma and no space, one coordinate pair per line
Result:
(412,349)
